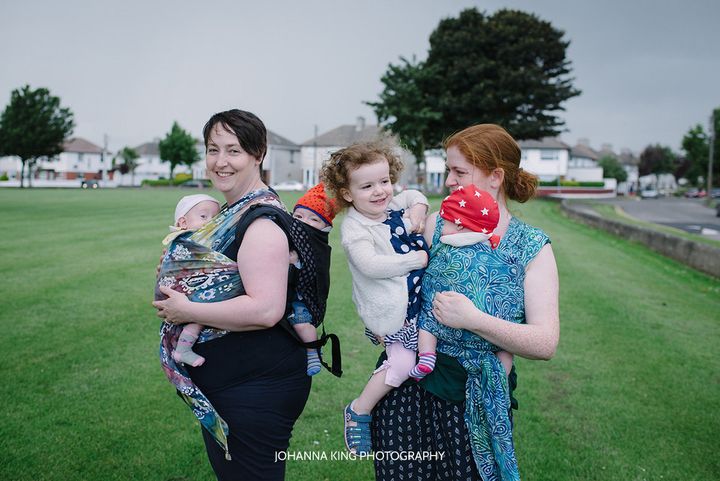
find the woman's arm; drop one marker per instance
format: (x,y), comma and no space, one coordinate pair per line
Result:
(263,266)
(538,338)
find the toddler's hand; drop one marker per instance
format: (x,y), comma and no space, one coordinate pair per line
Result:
(416,215)
(424,257)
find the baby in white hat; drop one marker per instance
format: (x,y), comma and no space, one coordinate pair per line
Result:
(194,211)
(191,213)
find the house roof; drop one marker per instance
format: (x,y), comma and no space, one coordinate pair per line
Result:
(626,157)
(544,143)
(582,150)
(148,149)
(153,148)
(345,135)
(275,139)
(82,146)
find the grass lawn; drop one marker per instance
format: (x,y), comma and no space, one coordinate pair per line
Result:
(633,393)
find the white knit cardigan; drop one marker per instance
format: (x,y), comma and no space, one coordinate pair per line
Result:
(379,274)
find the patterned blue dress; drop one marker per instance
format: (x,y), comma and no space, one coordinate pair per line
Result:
(493,279)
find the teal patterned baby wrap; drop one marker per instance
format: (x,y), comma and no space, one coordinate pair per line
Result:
(194,265)
(493,279)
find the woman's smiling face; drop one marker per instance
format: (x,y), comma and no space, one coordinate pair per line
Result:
(461,173)
(232,170)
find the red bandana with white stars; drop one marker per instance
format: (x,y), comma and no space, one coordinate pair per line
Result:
(472,208)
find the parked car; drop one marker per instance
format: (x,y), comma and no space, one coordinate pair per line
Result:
(715,193)
(649,193)
(695,193)
(289,185)
(90,184)
(197,183)
(717,209)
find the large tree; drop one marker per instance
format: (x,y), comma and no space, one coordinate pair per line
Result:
(178,148)
(657,159)
(612,168)
(507,68)
(34,126)
(404,108)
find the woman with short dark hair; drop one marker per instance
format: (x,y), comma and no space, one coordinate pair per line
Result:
(254,372)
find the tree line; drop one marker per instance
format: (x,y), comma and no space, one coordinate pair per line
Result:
(34,127)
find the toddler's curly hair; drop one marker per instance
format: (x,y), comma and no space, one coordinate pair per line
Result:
(335,172)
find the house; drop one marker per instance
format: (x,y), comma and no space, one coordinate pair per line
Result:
(282,162)
(80,159)
(631,163)
(315,151)
(583,164)
(435,169)
(547,158)
(149,165)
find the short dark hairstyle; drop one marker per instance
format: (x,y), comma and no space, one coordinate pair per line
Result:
(247,127)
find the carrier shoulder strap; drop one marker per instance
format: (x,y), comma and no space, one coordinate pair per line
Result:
(286,223)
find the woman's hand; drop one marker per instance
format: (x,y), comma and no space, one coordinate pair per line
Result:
(174,309)
(416,215)
(454,310)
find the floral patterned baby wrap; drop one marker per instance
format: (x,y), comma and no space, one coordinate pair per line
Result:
(194,265)
(493,279)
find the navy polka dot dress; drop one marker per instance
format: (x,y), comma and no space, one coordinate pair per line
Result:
(403,242)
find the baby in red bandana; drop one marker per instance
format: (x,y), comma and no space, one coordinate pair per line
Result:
(471,216)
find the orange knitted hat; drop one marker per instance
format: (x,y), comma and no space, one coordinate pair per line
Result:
(317,201)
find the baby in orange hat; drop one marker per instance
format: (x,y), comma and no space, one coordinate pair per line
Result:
(471,215)
(316,210)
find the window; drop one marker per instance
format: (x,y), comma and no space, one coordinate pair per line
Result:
(549,155)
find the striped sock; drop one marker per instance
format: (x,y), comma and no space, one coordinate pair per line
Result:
(183,351)
(425,365)
(313,365)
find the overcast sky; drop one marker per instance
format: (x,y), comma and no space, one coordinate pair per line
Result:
(648,70)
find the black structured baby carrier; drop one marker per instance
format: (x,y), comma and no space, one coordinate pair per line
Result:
(311,282)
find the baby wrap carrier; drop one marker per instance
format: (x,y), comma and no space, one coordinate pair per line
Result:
(194,265)
(493,280)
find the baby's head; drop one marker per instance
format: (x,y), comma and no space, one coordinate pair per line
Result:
(316,209)
(194,211)
(472,209)
(353,168)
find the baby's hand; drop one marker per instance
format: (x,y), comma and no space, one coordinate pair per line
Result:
(293,257)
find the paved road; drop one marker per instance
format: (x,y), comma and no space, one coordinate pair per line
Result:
(690,215)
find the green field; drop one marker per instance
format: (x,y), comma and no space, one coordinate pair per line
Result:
(633,393)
